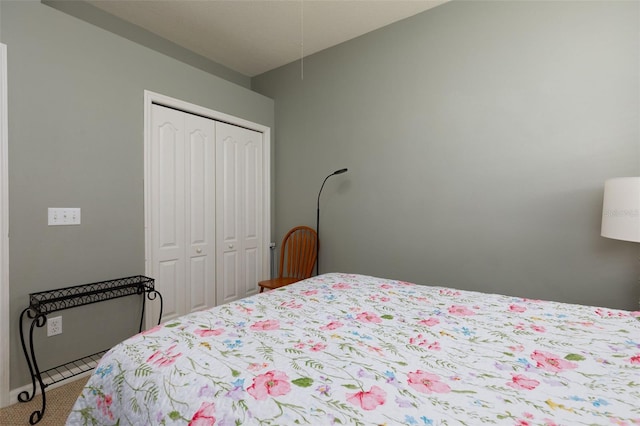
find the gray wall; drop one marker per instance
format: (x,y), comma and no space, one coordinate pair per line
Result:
(76,140)
(478,136)
(89,13)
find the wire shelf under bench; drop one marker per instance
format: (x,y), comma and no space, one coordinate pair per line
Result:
(71,369)
(46,302)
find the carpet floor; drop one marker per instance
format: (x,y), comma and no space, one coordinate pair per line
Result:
(59,403)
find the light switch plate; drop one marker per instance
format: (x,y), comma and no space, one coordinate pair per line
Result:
(64,216)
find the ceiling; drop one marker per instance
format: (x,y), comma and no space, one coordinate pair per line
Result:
(255,36)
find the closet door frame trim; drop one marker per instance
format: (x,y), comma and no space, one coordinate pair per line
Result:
(151,98)
(4,233)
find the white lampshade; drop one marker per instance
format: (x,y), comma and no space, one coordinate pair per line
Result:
(621,209)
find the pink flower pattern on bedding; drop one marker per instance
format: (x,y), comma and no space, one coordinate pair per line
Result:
(352,349)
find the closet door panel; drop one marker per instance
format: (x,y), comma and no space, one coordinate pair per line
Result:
(228,185)
(251,271)
(228,213)
(230,272)
(168,235)
(251,220)
(198,287)
(240,215)
(200,221)
(252,214)
(168,278)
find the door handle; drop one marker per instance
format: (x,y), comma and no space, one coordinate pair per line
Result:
(199,250)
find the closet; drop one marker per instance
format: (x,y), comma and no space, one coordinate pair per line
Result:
(205,238)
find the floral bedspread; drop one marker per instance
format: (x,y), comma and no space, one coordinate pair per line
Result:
(352,349)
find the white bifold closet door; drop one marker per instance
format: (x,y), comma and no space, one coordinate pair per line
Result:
(206,211)
(183,212)
(239,211)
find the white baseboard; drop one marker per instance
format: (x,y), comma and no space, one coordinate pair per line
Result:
(13,394)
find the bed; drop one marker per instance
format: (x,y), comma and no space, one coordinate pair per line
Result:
(353,349)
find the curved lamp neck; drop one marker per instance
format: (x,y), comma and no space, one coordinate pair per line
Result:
(337,172)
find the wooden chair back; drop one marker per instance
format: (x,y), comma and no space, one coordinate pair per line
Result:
(298,253)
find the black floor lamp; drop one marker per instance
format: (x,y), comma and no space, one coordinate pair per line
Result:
(337,172)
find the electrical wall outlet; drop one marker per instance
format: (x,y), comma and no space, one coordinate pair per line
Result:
(54,326)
